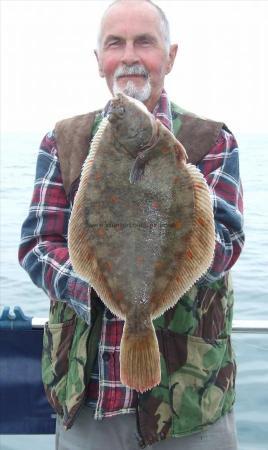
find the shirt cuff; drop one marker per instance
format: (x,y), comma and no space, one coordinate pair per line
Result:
(79,298)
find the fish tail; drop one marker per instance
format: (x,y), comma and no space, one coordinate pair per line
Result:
(139,358)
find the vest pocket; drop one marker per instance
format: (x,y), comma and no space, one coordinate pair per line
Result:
(199,374)
(57,342)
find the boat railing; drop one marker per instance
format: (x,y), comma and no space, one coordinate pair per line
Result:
(18,319)
(250,326)
(239,326)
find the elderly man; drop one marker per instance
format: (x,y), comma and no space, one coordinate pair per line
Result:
(192,406)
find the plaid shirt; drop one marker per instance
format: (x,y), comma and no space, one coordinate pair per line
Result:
(44,254)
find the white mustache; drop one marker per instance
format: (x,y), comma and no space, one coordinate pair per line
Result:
(136,69)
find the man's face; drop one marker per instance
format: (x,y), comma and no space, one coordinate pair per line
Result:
(132,55)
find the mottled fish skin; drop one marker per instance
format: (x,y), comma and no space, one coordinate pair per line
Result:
(140,245)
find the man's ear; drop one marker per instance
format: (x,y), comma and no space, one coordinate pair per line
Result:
(172,55)
(99,63)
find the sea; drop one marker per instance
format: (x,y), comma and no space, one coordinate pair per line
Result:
(250,276)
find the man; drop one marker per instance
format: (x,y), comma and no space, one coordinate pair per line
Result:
(192,406)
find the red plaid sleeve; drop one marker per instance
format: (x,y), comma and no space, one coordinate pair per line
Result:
(43,250)
(220,168)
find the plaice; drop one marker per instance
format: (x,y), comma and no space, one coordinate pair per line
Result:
(141,230)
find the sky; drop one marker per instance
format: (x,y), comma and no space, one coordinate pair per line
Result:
(49,71)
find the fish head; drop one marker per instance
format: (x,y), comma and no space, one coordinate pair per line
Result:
(133,126)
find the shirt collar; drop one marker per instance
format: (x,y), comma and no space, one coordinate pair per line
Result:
(162,111)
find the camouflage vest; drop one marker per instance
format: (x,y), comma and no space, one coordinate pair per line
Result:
(197,360)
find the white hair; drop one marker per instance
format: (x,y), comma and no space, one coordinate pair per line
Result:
(164,24)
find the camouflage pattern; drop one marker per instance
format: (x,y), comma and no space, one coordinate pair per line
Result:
(197,365)
(64,359)
(68,358)
(197,361)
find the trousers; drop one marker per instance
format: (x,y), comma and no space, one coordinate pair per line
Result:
(119,432)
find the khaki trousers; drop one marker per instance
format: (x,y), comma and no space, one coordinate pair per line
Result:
(118,433)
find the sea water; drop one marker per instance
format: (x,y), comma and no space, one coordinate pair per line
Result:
(250,274)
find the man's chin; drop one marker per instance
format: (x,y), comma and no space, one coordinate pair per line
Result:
(132,90)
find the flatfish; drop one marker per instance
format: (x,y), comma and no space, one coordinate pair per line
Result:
(141,230)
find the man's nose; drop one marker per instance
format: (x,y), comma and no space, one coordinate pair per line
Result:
(130,55)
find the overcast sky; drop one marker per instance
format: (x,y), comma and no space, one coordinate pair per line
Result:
(49,72)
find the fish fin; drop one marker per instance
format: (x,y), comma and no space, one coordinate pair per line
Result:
(137,171)
(139,359)
(180,152)
(199,253)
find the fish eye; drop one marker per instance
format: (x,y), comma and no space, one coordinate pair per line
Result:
(121,111)
(115,112)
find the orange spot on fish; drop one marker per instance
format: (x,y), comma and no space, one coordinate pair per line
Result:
(119,296)
(201,221)
(159,265)
(155,204)
(189,254)
(101,232)
(114,199)
(177,224)
(98,176)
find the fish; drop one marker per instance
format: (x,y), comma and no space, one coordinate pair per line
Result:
(141,230)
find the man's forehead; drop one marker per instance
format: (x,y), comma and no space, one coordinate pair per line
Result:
(124,36)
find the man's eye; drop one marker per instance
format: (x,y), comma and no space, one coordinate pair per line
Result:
(114,43)
(144,41)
